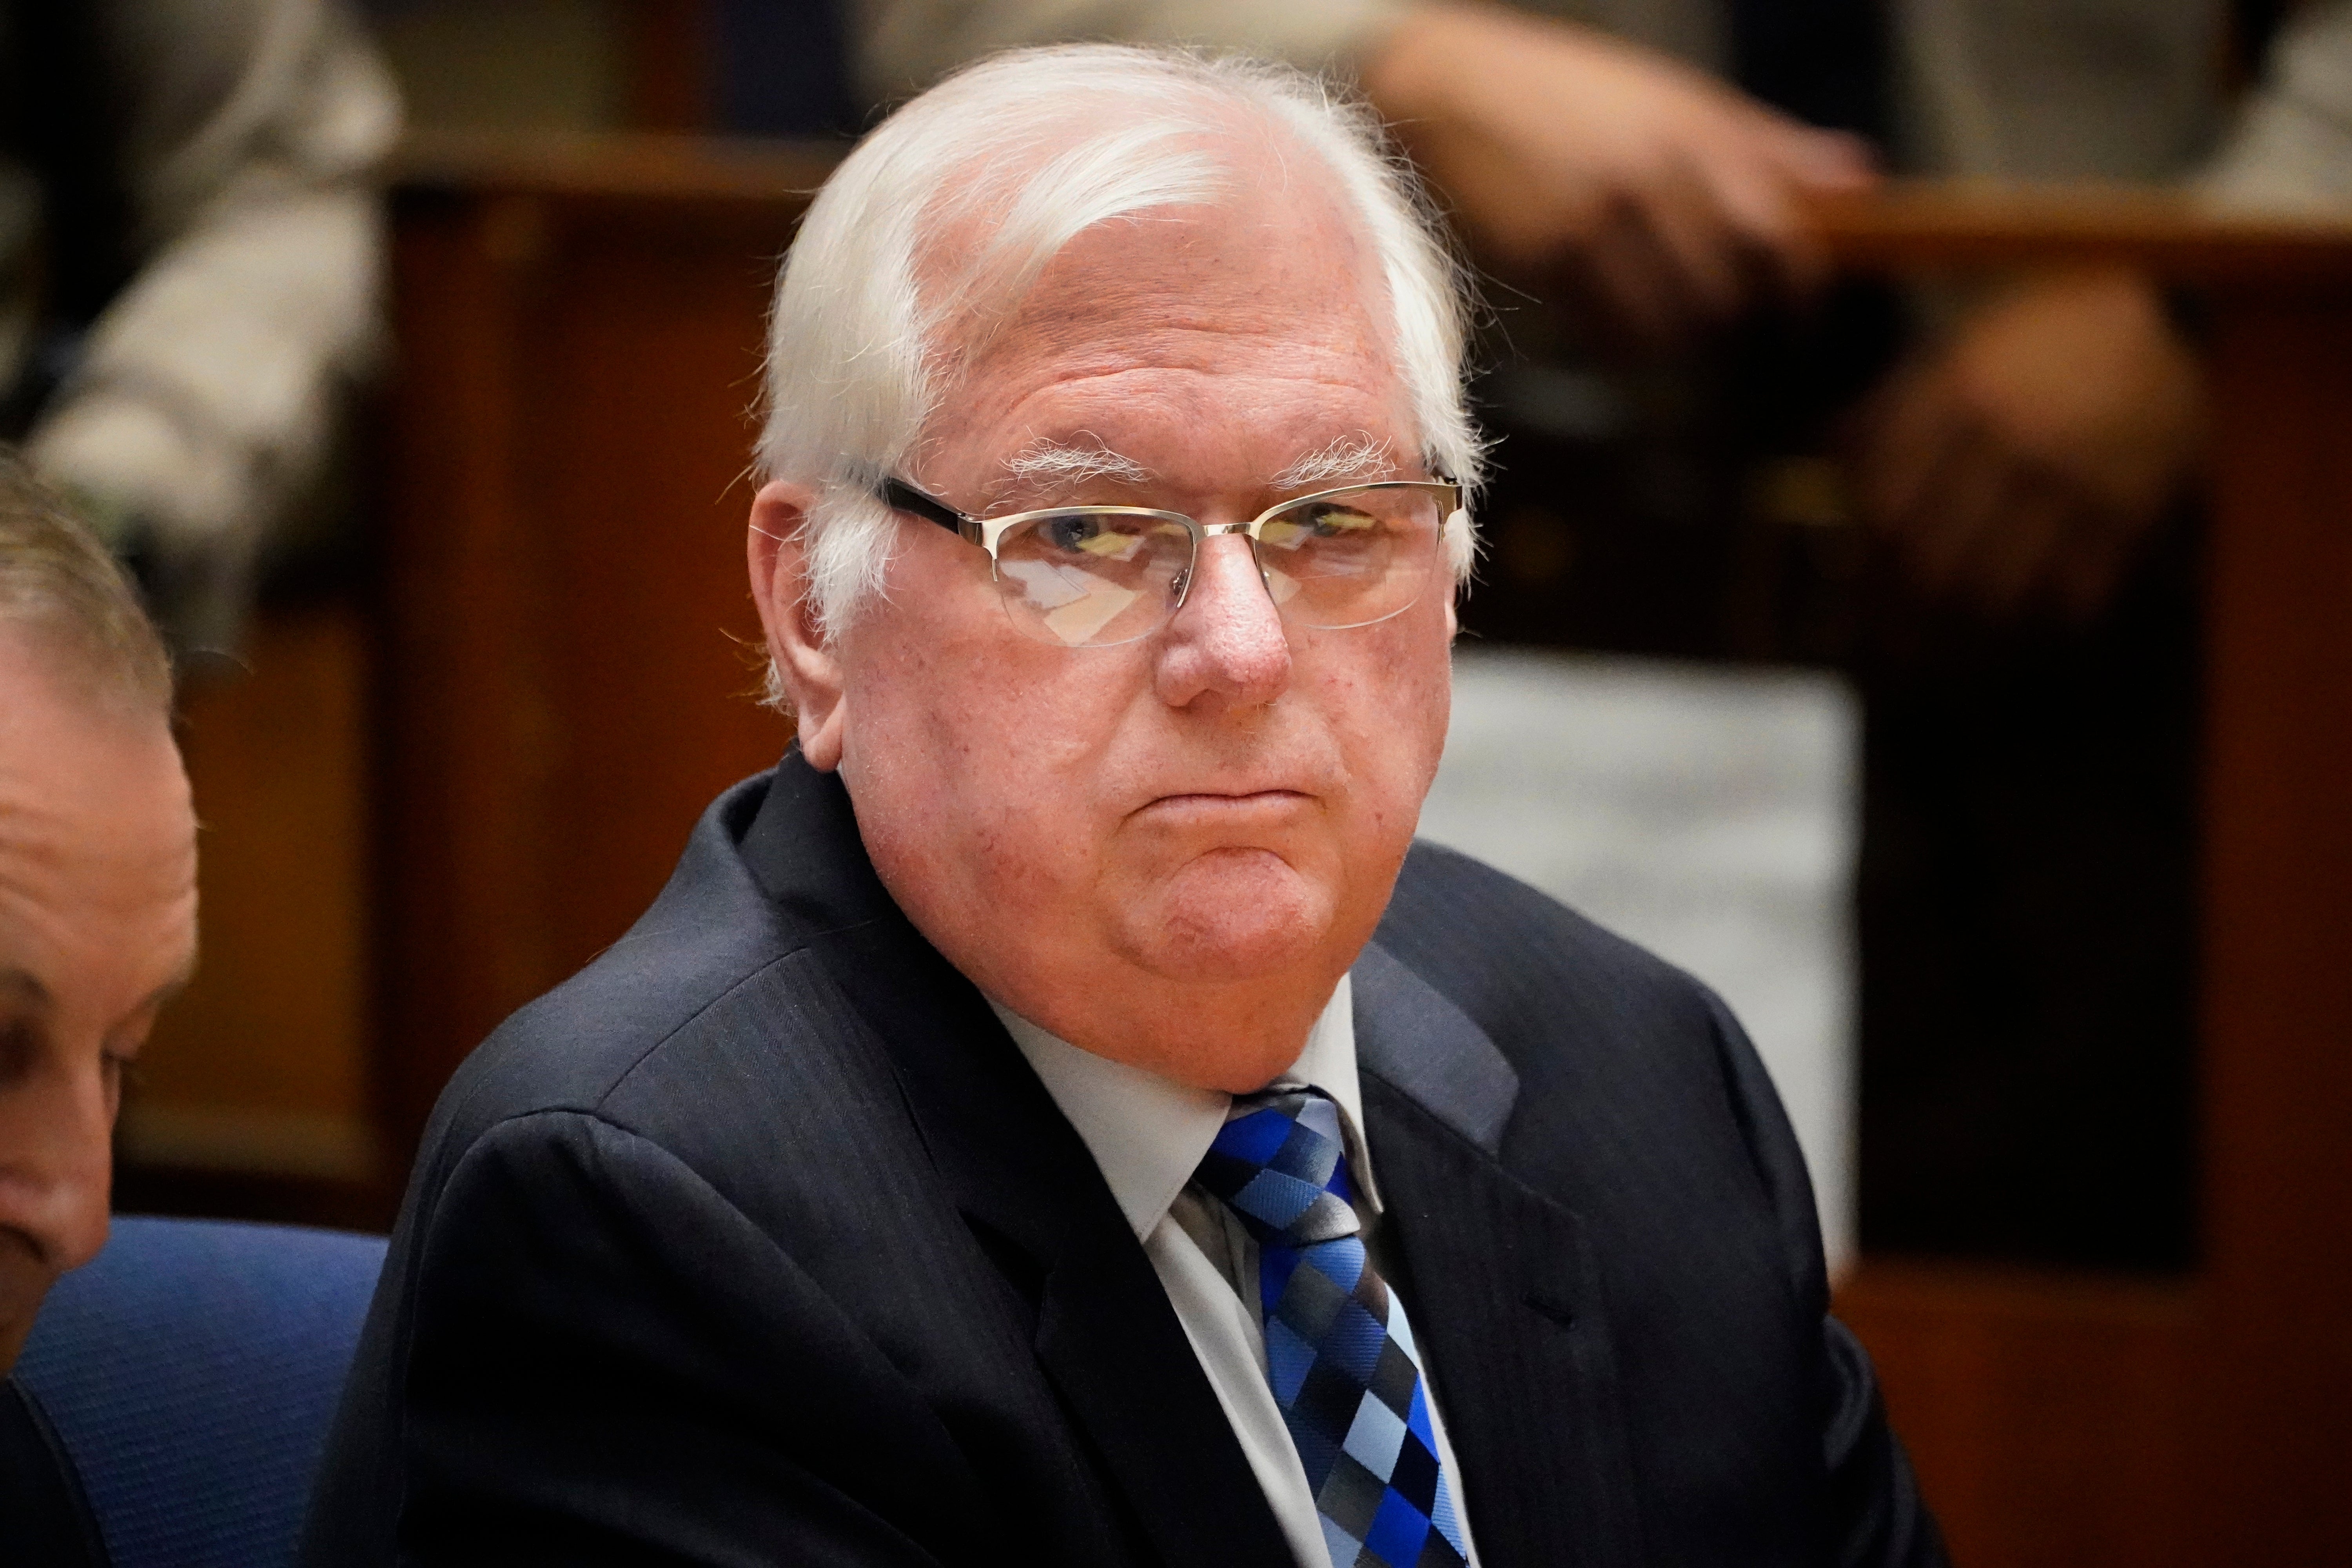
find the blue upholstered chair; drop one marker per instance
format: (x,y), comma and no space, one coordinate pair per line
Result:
(190,1372)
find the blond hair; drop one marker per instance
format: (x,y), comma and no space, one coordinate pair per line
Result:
(58,582)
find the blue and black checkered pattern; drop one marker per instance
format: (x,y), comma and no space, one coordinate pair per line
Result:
(1338,1348)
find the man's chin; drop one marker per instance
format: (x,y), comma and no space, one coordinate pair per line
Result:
(1230,917)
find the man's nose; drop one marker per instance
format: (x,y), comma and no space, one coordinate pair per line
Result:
(1228,644)
(57,1165)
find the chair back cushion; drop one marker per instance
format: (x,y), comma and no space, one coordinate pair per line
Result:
(190,1372)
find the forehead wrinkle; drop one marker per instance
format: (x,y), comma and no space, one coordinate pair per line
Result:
(61,891)
(1213,387)
(1063,354)
(1170,399)
(1223,342)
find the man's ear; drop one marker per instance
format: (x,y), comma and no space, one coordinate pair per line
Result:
(810,672)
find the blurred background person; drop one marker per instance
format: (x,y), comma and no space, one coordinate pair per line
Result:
(98,928)
(189,270)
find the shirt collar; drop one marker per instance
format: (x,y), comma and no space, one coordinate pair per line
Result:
(1148,1132)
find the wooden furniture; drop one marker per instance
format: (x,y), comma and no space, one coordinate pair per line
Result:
(567,625)
(566,680)
(252,1098)
(2209,1422)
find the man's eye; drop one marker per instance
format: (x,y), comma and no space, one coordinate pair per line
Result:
(1342,522)
(1099,537)
(1312,524)
(1068,533)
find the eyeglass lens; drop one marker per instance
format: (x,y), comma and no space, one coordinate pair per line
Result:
(1092,579)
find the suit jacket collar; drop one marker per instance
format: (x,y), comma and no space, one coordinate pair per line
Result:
(1428,1050)
(1105,1332)
(1501,1283)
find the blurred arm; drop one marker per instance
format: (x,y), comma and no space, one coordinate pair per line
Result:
(2293,143)
(2017,466)
(204,397)
(1658,197)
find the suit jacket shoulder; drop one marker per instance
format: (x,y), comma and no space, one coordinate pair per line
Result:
(695,1266)
(1660,1281)
(1586,1016)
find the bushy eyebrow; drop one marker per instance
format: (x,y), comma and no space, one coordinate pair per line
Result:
(1046,465)
(1348,458)
(1049,466)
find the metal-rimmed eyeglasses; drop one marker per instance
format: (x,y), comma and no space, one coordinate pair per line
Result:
(1095,576)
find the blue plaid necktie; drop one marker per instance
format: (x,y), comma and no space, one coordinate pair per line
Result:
(1338,1350)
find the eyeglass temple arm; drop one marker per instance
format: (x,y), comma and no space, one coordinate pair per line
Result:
(903,496)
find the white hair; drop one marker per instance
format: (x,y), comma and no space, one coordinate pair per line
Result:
(1032,148)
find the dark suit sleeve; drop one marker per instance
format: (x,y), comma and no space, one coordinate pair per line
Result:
(45,1517)
(608,1362)
(1876,1517)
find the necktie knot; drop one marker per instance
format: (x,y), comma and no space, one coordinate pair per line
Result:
(1280,1163)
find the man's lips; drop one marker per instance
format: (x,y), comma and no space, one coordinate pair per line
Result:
(1222,809)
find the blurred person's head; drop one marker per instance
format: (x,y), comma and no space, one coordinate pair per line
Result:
(97,881)
(1111,535)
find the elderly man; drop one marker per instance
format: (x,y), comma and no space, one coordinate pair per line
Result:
(1058,1116)
(97,908)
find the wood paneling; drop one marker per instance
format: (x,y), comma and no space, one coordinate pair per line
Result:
(2257,1365)
(1977,227)
(2274,1418)
(568,620)
(262,1065)
(665,46)
(2046,1413)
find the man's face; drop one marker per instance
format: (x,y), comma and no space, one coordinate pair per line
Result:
(97,913)
(1167,851)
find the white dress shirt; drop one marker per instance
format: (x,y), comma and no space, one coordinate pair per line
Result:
(1148,1134)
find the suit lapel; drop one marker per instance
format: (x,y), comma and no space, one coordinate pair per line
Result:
(1502,1286)
(1108,1338)
(1106,1334)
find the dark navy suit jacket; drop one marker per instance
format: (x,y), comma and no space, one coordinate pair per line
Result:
(758,1242)
(45,1517)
